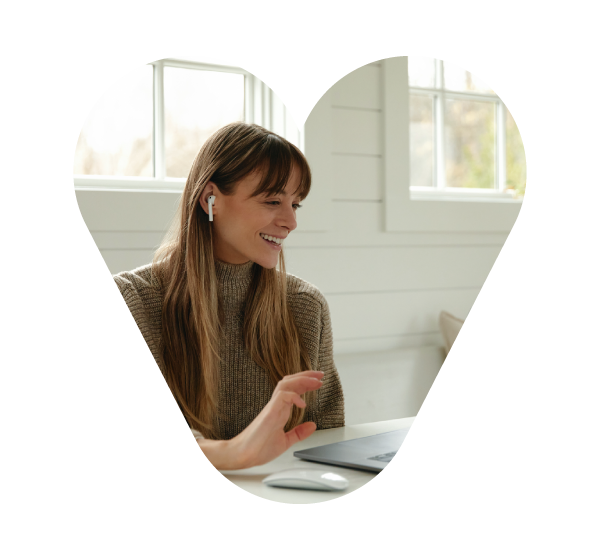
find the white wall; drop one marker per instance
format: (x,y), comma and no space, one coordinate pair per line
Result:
(385,288)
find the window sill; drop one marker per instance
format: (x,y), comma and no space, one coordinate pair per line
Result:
(127,184)
(462,195)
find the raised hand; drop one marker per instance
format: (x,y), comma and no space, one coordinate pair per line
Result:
(264,439)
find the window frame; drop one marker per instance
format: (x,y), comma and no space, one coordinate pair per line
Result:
(258,109)
(440,191)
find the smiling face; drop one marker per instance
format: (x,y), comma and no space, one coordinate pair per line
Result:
(241,221)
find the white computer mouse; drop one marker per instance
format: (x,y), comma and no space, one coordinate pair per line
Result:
(307,479)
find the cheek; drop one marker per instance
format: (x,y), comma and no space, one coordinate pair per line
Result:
(259,221)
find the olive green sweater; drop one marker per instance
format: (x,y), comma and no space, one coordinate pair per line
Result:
(245,388)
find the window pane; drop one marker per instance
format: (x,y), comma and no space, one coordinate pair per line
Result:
(197,103)
(116,138)
(421,141)
(515,157)
(421,71)
(469,144)
(459,79)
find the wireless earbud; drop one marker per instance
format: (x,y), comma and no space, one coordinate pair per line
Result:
(211,201)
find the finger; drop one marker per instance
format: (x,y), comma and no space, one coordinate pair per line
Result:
(290,398)
(277,412)
(309,373)
(299,385)
(300,432)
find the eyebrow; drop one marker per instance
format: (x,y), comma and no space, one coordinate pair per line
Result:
(267,195)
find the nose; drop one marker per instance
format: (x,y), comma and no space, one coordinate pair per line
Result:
(286,217)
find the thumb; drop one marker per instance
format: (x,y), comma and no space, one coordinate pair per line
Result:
(300,432)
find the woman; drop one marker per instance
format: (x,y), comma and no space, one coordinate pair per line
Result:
(238,341)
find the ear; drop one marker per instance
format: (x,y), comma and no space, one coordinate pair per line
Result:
(209,190)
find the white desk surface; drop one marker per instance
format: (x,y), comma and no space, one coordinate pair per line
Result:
(251,479)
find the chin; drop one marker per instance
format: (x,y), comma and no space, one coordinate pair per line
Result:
(266,262)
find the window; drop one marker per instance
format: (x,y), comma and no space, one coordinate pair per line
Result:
(146,130)
(463,141)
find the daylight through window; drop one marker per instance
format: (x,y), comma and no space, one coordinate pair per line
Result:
(461,134)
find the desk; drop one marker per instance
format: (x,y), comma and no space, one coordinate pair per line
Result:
(251,479)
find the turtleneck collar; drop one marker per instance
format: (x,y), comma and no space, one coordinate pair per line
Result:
(234,281)
(231,274)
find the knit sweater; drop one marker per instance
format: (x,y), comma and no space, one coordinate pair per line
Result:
(244,387)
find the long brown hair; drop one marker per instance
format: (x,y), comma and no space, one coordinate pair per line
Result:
(192,315)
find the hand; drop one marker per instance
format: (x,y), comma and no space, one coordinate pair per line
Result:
(264,439)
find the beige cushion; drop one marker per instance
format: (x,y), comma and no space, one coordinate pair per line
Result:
(450,327)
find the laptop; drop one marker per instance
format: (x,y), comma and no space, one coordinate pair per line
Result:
(371,453)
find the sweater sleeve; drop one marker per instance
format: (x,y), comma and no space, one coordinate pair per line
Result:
(331,396)
(143,297)
(144,302)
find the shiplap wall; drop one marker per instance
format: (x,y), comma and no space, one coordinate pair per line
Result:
(385,289)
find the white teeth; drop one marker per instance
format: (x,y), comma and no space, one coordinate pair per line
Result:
(271,238)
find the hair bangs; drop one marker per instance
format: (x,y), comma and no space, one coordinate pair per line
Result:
(276,163)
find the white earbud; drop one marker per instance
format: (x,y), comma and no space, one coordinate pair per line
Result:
(211,201)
